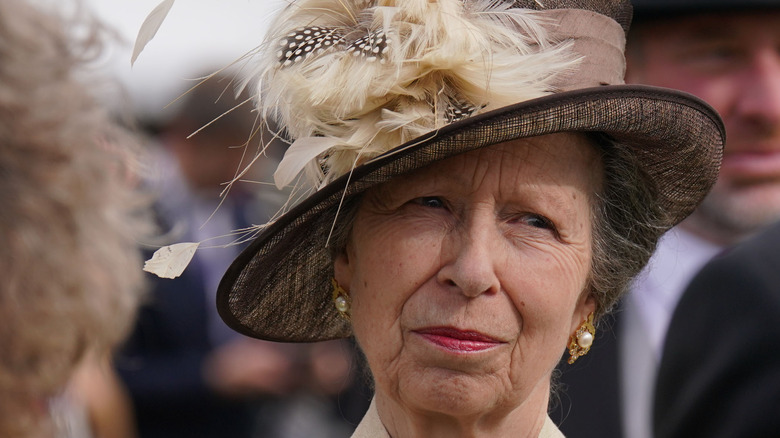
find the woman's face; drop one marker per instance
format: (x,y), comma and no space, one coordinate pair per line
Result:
(467,276)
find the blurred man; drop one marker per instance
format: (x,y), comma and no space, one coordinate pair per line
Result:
(728,53)
(720,376)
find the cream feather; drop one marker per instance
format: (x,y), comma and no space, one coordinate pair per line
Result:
(301,152)
(170,261)
(369,75)
(149,27)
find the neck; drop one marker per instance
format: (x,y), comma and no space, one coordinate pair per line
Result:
(524,420)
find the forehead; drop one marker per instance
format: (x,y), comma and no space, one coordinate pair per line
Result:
(562,159)
(736,26)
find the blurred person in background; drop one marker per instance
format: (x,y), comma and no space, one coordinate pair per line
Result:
(728,53)
(68,228)
(189,374)
(720,377)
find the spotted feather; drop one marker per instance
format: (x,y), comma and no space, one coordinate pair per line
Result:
(459,110)
(372,47)
(302,43)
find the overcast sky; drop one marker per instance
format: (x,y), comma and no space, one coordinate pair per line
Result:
(196,35)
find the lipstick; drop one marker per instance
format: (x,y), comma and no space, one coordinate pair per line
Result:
(462,341)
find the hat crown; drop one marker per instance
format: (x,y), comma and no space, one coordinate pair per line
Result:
(618,10)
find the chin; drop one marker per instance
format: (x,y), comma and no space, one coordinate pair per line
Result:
(452,393)
(744,210)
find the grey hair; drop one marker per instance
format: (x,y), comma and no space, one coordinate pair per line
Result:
(627,223)
(69,219)
(345,220)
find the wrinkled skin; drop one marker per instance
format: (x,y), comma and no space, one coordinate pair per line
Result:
(467,278)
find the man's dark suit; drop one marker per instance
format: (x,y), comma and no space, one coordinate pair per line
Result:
(720,373)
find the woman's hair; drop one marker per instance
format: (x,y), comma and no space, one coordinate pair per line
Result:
(627,223)
(69,217)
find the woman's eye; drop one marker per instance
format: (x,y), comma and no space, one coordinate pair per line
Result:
(538,221)
(716,57)
(430,201)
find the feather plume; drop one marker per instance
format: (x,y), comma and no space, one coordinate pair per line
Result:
(150,27)
(368,75)
(170,261)
(300,153)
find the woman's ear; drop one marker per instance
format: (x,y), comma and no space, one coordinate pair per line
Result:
(342,269)
(585,306)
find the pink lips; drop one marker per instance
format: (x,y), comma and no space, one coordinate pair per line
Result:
(753,164)
(458,340)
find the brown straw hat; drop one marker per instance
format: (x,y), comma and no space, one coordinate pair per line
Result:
(279,287)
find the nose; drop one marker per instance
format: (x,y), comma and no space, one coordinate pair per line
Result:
(469,259)
(760,97)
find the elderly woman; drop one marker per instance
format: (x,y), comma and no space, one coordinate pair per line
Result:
(486,187)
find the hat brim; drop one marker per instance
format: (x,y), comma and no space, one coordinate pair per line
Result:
(279,287)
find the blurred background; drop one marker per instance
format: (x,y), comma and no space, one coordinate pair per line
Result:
(197,35)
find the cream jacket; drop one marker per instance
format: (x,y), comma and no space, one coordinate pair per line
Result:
(371,426)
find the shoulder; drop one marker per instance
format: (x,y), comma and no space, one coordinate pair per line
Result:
(371,425)
(550,430)
(719,370)
(761,253)
(748,274)
(739,292)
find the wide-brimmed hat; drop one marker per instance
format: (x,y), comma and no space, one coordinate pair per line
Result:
(567,76)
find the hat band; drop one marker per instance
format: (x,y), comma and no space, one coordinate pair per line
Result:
(600,41)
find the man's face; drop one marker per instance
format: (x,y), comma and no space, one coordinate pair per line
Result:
(732,61)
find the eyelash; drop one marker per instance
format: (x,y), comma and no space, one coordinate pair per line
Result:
(544,223)
(427,201)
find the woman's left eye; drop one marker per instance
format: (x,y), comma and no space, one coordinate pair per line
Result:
(430,201)
(537,221)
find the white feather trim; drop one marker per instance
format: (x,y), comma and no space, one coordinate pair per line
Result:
(298,155)
(371,74)
(149,27)
(170,261)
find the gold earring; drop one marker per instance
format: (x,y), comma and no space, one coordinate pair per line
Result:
(340,299)
(581,341)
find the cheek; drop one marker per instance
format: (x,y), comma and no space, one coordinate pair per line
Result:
(391,263)
(720,92)
(551,280)
(546,290)
(387,272)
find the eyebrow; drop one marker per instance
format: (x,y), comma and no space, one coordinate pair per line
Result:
(559,202)
(710,31)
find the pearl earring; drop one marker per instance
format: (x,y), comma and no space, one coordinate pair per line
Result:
(340,299)
(581,341)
